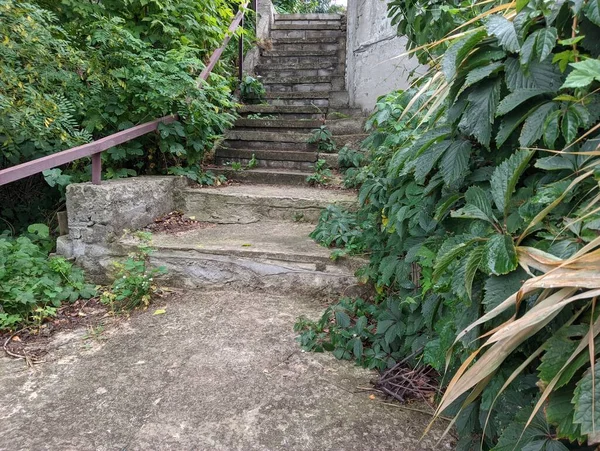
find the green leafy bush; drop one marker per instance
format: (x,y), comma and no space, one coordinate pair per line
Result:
(323,138)
(109,66)
(32,285)
(252,90)
(479,203)
(321,175)
(135,279)
(306,6)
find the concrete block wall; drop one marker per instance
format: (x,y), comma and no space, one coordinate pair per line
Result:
(374,67)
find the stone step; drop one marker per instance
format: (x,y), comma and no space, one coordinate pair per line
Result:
(244,204)
(265,136)
(306,25)
(317,16)
(305,46)
(322,103)
(286,125)
(298,95)
(261,144)
(265,176)
(328,40)
(293,53)
(274,255)
(284,112)
(299,62)
(276,72)
(277,34)
(303,161)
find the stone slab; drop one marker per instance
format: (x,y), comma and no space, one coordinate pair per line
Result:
(252,203)
(220,370)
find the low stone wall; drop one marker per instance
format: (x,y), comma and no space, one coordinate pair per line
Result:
(374,67)
(98,215)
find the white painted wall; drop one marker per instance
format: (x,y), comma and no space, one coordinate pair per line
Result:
(373,66)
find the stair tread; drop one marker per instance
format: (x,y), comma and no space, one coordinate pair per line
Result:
(298,53)
(325,196)
(268,154)
(309,16)
(307,109)
(265,239)
(298,95)
(307,27)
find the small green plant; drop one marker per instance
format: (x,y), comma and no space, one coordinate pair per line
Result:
(252,90)
(299,217)
(235,166)
(322,174)
(135,283)
(323,138)
(253,163)
(196,174)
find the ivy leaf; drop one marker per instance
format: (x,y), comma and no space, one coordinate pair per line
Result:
(505,178)
(457,52)
(552,129)
(455,162)
(570,125)
(472,266)
(501,255)
(559,413)
(514,99)
(505,31)
(533,129)
(545,42)
(587,402)
(592,12)
(540,75)
(478,118)
(342,319)
(584,73)
(499,288)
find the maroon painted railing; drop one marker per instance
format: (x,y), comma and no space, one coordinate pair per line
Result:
(95,148)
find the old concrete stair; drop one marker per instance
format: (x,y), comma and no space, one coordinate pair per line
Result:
(303,74)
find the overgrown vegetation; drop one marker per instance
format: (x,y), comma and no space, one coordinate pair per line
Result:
(479,211)
(321,175)
(32,285)
(252,90)
(74,71)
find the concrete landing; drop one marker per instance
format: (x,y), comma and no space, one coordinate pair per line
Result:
(265,255)
(217,371)
(246,204)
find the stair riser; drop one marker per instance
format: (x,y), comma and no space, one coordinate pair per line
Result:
(275,129)
(266,145)
(322,103)
(278,125)
(313,87)
(293,63)
(317,26)
(267,155)
(337,23)
(309,16)
(336,83)
(290,47)
(306,34)
(277,53)
(264,178)
(293,116)
(198,270)
(211,206)
(273,164)
(288,73)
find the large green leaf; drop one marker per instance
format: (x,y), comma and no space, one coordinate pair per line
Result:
(428,159)
(478,118)
(457,52)
(592,12)
(500,255)
(545,42)
(514,99)
(504,30)
(539,75)
(559,413)
(587,402)
(481,73)
(533,128)
(505,178)
(455,162)
(558,350)
(583,74)
(499,288)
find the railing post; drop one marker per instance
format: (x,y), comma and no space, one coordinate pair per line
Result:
(241,52)
(97,168)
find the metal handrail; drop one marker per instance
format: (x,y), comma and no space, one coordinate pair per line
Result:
(95,148)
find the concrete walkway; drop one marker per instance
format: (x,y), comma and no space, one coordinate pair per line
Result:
(218,371)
